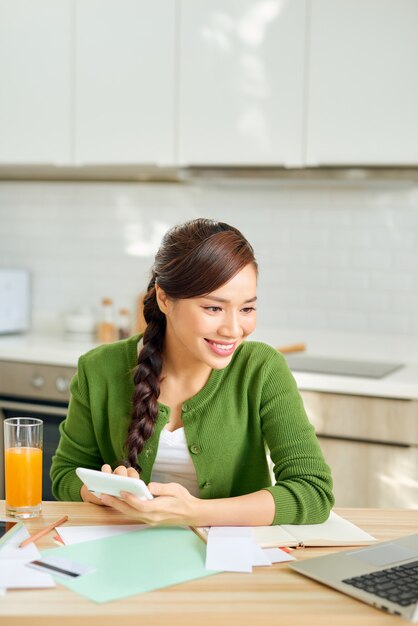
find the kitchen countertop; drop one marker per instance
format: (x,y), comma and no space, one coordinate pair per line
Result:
(55,349)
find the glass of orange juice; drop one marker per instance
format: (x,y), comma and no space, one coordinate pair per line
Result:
(23,466)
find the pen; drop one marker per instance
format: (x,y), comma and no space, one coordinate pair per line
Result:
(44,531)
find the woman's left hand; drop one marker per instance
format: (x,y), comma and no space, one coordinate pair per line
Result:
(174,506)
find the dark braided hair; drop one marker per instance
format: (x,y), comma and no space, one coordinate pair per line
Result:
(194,259)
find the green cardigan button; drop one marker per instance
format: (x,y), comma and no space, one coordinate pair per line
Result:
(195,449)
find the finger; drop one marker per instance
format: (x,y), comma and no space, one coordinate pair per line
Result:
(109,500)
(88,496)
(121,470)
(95,499)
(106,468)
(163,489)
(137,502)
(132,473)
(122,505)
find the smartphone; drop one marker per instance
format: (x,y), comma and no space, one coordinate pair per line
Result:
(7,529)
(112,484)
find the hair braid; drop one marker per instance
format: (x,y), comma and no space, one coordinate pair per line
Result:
(147,378)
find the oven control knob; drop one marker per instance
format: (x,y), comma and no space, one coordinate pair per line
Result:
(62,384)
(38,381)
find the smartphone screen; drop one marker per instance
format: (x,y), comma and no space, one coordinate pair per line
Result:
(5,527)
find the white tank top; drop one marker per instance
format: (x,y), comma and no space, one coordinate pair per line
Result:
(173,463)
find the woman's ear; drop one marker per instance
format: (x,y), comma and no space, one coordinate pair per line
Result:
(162,299)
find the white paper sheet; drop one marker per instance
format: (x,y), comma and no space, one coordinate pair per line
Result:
(14,574)
(13,571)
(229,548)
(78,534)
(11,550)
(278,556)
(260,556)
(233,549)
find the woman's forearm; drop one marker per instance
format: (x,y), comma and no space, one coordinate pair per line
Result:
(253,509)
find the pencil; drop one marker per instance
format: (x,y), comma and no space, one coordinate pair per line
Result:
(196,532)
(44,531)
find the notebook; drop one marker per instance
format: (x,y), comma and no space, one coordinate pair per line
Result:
(384,575)
(336,531)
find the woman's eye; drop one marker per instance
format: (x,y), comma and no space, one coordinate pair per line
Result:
(248,309)
(213,309)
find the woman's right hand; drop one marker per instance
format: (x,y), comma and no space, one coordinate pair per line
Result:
(121,470)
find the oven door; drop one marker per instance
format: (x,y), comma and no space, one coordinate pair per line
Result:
(52,416)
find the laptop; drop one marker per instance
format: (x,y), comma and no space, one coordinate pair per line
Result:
(384,575)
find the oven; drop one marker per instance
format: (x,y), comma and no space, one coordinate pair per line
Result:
(35,390)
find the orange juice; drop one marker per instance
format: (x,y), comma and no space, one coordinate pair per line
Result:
(23,476)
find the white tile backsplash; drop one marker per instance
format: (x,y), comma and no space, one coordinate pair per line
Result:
(331,256)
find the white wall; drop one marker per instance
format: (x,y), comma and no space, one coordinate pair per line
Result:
(332,255)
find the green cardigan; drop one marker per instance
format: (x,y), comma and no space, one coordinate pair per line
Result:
(251,404)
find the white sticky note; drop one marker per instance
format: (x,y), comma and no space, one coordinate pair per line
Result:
(278,556)
(259,556)
(229,549)
(229,555)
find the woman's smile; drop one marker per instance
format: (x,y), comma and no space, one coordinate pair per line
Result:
(221,348)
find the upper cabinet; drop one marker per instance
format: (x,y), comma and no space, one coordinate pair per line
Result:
(241,82)
(35,75)
(363,83)
(125,81)
(209,82)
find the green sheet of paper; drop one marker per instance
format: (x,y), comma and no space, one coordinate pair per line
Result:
(135,562)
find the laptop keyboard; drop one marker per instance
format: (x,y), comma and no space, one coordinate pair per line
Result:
(396,584)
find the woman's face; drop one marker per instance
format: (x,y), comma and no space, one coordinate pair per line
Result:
(208,329)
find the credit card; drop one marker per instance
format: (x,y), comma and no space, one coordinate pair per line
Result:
(58,566)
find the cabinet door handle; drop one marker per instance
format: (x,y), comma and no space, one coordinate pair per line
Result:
(377,442)
(36,408)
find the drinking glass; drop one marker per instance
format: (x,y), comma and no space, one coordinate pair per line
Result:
(23,466)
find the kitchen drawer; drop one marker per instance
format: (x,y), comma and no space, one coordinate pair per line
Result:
(372,475)
(362,417)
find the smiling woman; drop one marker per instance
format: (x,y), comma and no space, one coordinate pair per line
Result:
(202,404)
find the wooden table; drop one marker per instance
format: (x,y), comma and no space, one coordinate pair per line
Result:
(268,596)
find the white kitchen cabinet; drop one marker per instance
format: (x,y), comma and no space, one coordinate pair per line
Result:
(241,82)
(125,81)
(371,445)
(363,83)
(35,71)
